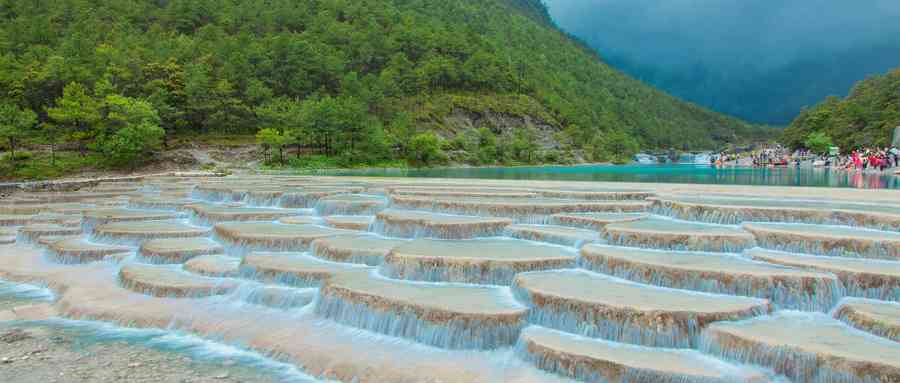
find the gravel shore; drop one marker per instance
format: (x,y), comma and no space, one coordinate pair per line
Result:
(43,354)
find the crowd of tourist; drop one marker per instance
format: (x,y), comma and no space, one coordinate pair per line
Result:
(771,156)
(869,159)
(863,159)
(774,155)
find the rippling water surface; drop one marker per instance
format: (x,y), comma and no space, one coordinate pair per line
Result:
(694,174)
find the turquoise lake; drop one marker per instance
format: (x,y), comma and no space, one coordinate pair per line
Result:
(698,174)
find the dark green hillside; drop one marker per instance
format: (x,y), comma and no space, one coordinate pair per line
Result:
(865,118)
(362,80)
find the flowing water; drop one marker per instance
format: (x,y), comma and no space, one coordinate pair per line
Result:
(468,280)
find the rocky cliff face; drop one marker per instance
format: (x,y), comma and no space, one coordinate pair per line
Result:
(501,124)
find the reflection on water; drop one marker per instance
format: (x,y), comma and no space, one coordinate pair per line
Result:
(695,174)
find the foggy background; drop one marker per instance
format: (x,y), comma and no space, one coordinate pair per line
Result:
(761,60)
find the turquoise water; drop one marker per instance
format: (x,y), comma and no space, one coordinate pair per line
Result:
(694,174)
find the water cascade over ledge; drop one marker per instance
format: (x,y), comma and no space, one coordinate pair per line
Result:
(409,280)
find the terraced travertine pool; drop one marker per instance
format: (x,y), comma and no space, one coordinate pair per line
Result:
(430,280)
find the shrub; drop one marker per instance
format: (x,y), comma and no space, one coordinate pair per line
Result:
(818,142)
(133,144)
(20,156)
(425,150)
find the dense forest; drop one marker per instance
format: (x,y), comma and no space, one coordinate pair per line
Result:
(865,118)
(359,80)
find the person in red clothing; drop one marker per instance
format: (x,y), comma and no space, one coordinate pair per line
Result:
(873,160)
(857,161)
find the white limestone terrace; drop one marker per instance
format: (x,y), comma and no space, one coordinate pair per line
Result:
(32,233)
(602,306)
(70,220)
(523,210)
(827,239)
(302,220)
(350,204)
(422,224)
(241,237)
(214,265)
(80,250)
(134,233)
(590,359)
(170,281)
(384,307)
(209,214)
(867,278)
(785,286)
(672,234)
(806,347)
(477,191)
(596,221)
(439,314)
(560,235)
(160,202)
(366,249)
(294,269)
(177,250)
(478,261)
(349,222)
(873,316)
(735,210)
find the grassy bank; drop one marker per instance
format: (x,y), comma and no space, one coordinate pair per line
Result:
(34,166)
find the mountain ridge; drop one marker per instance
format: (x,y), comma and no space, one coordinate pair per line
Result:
(354,78)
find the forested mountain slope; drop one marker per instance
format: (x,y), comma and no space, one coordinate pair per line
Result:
(358,78)
(865,118)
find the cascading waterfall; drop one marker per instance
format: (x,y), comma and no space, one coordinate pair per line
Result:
(448,270)
(408,323)
(811,294)
(796,365)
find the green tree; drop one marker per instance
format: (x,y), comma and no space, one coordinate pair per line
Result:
(487,146)
(425,149)
(229,112)
(616,147)
(132,145)
(15,126)
(370,149)
(76,112)
(818,142)
(320,118)
(130,131)
(50,134)
(524,145)
(121,112)
(273,138)
(351,120)
(164,87)
(286,117)
(401,131)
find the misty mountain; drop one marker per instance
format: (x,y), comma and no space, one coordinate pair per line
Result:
(760,60)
